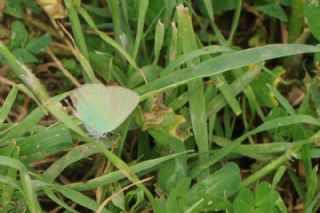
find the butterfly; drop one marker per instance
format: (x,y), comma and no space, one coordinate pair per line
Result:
(103,108)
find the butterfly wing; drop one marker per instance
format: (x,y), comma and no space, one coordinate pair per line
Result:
(122,102)
(103,108)
(89,104)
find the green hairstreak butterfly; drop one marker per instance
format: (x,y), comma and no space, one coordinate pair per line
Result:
(103,108)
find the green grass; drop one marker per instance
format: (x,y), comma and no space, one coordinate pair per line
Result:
(228,118)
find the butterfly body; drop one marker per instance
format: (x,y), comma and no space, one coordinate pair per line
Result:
(103,108)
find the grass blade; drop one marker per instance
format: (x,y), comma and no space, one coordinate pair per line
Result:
(109,40)
(24,73)
(148,165)
(143,6)
(5,109)
(197,101)
(224,63)
(282,100)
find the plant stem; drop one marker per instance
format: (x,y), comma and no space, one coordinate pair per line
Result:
(24,74)
(265,170)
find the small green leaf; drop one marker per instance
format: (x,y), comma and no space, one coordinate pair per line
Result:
(172,172)
(265,196)
(14,8)
(260,88)
(223,183)
(244,202)
(168,175)
(19,35)
(154,10)
(177,199)
(263,200)
(32,5)
(151,72)
(38,44)
(100,63)
(273,10)
(312,13)
(24,56)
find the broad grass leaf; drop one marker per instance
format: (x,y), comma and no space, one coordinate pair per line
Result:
(57,200)
(12,182)
(24,126)
(79,198)
(76,154)
(184,58)
(222,64)
(45,142)
(148,165)
(13,163)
